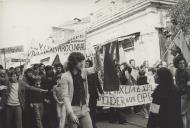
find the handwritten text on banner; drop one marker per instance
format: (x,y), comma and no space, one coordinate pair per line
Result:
(127,96)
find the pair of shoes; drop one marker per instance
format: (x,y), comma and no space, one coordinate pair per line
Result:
(123,122)
(113,121)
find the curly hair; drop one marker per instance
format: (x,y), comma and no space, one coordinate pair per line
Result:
(73,59)
(177,59)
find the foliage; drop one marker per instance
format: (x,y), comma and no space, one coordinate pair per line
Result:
(180,17)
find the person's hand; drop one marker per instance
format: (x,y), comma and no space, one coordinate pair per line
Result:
(3,87)
(44,91)
(47,101)
(188,83)
(97,49)
(31,105)
(74,118)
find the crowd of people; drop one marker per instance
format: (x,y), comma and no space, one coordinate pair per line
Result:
(62,96)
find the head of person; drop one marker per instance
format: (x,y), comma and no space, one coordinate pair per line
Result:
(141,72)
(164,77)
(37,81)
(11,69)
(49,72)
(88,63)
(152,71)
(28,73)
(13,77)
(1,67)
(146,64)
(127,67)
(18,70)
(58,68)
(3,77)
(132,62)
(75,61)
(36,69)
(117,67)
(180,62)
(175,50)
(164,64)
(41,67)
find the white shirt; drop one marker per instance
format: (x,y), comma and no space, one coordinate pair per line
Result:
(13,99)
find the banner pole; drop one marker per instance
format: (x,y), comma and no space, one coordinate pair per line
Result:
(4,58)
(172,42)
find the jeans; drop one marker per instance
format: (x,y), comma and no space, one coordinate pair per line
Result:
(37,111)
(84,120)
(61,113)
(13,117)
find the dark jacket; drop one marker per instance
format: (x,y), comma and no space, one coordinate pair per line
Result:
(182,77)
(94,85)
(169,115)
(141,80)
(23,86)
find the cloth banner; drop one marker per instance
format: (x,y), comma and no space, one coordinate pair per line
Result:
(127,96)
(182,44)
(77,43)
(111,80)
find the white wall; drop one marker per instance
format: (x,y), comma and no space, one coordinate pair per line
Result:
(143,22)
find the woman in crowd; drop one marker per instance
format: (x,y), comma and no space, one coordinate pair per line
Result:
(165,109)
(75,89)
(183,84)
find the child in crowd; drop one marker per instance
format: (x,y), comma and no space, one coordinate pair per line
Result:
(58,96)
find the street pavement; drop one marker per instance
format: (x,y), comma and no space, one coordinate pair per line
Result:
(134,121)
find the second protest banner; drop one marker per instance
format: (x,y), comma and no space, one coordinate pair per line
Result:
(127,96)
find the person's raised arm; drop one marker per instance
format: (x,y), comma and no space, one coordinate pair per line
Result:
(32,88)
(97,62)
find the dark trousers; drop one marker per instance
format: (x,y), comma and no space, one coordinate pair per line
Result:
(50,116)
(13,117)
(37,111)
(92,106)
(117,115)
(2,118)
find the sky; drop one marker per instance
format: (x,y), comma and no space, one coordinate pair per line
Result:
(21,21)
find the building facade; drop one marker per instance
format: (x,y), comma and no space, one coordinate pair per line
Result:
(134,23)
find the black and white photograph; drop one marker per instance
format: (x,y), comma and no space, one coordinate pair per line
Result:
(94,63)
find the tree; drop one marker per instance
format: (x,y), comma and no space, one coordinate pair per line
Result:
(180,17)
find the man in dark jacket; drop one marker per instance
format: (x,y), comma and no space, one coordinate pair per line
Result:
(93,86)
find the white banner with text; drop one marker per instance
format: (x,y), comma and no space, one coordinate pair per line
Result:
(127,96)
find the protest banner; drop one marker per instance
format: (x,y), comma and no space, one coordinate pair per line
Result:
(9,50)
(127,96)
(18,60)
(76,43)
